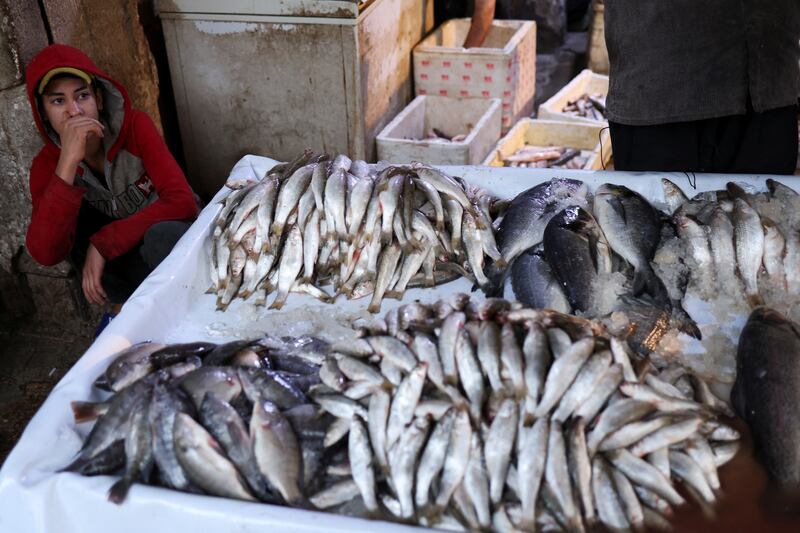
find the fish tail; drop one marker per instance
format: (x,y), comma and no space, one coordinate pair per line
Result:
(755,300)
(119,491)
(279,301)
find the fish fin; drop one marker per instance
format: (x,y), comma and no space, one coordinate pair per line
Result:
(84,411)
(755,300)
(119,491)
(683,322)
(76,466)
(618,207)
(497,278)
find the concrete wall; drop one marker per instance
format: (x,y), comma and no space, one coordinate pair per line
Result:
(109,31)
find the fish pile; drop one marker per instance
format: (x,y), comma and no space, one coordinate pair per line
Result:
(587,105)
(460,414)
(314,222)
(481,415)
(589,254)
(744,245)
(227,420)
(531,156)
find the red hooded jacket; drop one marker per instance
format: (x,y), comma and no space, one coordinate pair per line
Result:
(142,185)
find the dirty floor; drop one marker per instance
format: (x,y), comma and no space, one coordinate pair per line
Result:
(33,358)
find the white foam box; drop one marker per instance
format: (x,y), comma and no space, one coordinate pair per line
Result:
(555,133)
(403,139)
(504,67)
(585,82)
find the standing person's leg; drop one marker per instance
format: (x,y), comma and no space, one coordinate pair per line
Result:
(673,147)
(767,142)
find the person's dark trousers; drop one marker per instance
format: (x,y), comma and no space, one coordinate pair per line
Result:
(122,275)
(754,143)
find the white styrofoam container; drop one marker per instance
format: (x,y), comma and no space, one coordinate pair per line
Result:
(555,133)
(504,67)
(403,139)
(585,82)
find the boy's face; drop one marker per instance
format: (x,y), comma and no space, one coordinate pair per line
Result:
(67,97)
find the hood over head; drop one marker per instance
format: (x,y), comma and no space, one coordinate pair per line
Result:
(115,115)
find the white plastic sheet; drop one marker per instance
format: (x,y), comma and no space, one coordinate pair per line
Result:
(171,306)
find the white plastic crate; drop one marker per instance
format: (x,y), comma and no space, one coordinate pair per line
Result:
(585,82)
(555,133)
(403,139)
(505,67)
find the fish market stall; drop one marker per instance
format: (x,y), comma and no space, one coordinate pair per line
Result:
(173,306)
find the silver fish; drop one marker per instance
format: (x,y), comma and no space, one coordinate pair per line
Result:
(205,466)
(641,472)
(455,464)
(360,454)
(476,483)
(404,402)
(499,444)
(387,266)
(556,473)
(288,197)
(537,363)
(583,385)
(276,450)
(291,263)
(667,436)
(433,458)
(749,240)
(469,373)
(685,468)
(489,348)
(377,419)
(609,508)
(402,463)
(532,443)
(448,338)
(562,373)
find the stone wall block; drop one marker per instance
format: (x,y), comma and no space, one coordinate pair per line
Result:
(19,143)
(22,35)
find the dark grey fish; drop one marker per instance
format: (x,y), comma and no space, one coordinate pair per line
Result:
(577,252)
(524,222)
(110,460)
(177,353)
(221,380)
(633,230)
(225,425)
(222,353)
(269,385)
(129,365)
(535,285)
(138,450)
(767,391)
(166,403)
(114,424)
(530,211)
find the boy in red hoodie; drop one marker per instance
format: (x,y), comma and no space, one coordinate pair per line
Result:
(107,194)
